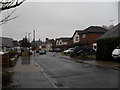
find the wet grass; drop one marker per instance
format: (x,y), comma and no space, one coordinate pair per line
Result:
(62,54)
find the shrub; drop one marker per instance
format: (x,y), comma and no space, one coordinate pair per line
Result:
(12,53)
(72,54)
(105,48)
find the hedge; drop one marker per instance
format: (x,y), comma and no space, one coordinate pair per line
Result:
(105,48)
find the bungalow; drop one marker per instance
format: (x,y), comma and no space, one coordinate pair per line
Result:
(63,43)
(107,43)
(86,38)
(6,43)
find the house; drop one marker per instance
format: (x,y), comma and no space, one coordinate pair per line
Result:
(6,43)
(89,35)
(50,43)
(63,43)
(76,37)
(86,38)
(107,43)
(36,44)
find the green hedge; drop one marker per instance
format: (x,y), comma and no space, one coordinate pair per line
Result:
(105,48)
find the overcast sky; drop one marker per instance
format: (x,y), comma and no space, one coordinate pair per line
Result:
(59,19)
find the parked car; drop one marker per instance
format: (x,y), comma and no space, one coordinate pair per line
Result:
(42,51)
(37,50)
(83,51)
(68,51)
(1,53)
(57,50)
(78,50)
(51,50)
(116,53)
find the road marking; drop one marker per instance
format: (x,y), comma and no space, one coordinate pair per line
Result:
(46,75)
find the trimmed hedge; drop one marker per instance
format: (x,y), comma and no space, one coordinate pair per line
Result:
(105,48)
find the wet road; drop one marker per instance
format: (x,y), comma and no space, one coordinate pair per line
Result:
(46,71)
(66,73)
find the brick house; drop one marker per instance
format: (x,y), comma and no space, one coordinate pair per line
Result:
(86,38)
(90,35)
(63,43)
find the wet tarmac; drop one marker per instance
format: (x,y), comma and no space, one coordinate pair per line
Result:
(46,71)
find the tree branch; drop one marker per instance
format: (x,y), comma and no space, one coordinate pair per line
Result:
(10,4)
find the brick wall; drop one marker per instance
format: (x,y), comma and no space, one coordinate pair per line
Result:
(90,37)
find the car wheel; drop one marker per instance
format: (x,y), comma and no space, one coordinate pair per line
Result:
(81,53)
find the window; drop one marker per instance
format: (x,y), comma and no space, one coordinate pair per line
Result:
(76,39)
(60,42)
(83,35)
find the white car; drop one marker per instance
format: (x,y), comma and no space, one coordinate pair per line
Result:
(116,53)
(1,53)
(68,51)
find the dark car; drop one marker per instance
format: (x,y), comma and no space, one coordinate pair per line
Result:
(83,51)
(37,50)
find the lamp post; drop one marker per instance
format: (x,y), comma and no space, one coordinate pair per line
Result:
(29,36)
(34,40)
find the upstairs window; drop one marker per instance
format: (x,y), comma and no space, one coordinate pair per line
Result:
(60,42)
(76,39)
(83,35)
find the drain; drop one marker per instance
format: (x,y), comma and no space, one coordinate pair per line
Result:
(59,84)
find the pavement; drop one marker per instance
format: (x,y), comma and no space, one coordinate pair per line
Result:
(26,74)
(101,63)
(48,71)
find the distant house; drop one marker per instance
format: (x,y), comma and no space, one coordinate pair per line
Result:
(36,44)
(86,38)
(6,43)
(50,43)
(63,43)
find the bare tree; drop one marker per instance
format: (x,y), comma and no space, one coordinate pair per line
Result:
(6,5)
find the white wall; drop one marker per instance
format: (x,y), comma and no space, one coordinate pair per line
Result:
(74,38)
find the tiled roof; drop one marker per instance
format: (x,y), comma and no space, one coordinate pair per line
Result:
(4,41)
(64,39)
(114,32)
(77,31)
(94,29)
